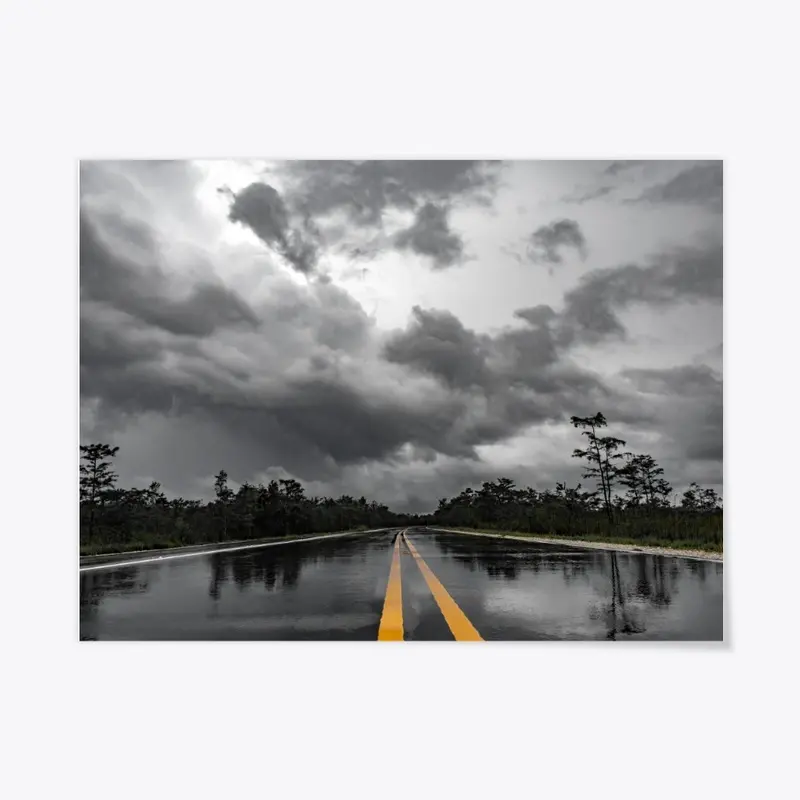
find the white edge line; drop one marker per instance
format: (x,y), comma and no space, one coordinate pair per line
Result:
(114,564)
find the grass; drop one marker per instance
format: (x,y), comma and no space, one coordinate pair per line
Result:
(642,541)
(107,548)
(166,543)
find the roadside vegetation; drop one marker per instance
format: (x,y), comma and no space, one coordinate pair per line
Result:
(115,520)
(630,503)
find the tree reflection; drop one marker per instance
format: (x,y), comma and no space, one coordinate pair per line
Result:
(95,585)
(651,582)
(619,615)
(219,574)
(643,586)
(493,558)
(662,594)
(574,569)
(266,567)
(698,568)
(272,566)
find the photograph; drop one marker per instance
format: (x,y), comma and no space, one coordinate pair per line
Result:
(430,400)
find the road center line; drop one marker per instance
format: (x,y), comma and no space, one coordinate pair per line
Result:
(462,629)
(391,627)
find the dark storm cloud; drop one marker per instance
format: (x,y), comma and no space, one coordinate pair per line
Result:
(298,400)
(122,268)
(261,208)
(292,389)
(516,377)
(365,190)
(699,184)
(352,426)
(323,312)
(436,342)
(322,413)
(430,236)
(105,346)
(349,200)
(684,275)
(547,243)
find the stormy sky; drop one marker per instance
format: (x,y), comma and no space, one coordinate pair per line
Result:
(398,329)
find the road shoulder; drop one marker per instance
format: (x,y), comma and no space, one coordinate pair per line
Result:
(213,547)
(698,555)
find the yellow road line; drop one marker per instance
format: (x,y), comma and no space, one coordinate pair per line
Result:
(391,627)
(462,629)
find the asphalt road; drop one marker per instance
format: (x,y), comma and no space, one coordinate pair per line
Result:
(415,585)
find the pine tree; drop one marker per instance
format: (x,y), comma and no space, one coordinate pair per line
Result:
(96,476)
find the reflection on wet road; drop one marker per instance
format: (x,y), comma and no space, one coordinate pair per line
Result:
(443,586)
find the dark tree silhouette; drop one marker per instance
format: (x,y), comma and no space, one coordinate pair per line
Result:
(642,477)
(114,519)
(601,456)
(97,477)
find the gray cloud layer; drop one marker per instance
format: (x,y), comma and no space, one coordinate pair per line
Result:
(685,274)
(696,183)
(700,184)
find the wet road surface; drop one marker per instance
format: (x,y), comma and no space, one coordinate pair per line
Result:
(419,586)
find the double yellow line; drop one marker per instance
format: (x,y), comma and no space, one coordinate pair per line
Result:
(391,627)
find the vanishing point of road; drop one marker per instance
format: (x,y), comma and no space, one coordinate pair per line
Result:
(402,585)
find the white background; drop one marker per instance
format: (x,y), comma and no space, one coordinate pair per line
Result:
(621,80)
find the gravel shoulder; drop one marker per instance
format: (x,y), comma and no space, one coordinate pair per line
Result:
(702,555)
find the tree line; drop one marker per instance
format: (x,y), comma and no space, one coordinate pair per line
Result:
(116,519)
(630,501)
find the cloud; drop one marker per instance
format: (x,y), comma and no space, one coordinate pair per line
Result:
(536,315)
(296,374)
(616,167)
(690,379)
(365,190)
(685,274)
(547,243)
(580,196)
(351,202)
(436,342)
(120,265)
(511,380)
(699,184)
(696,183)
(689,403)
(430,236)
(261,208)
(609,179)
